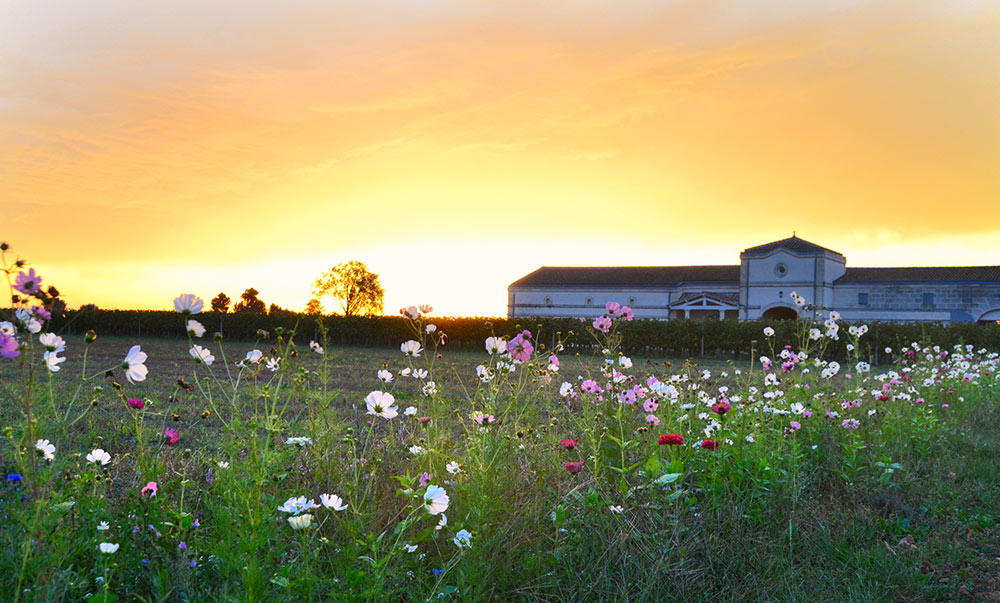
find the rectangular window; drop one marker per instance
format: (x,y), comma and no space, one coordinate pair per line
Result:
(928,299)
(862,299)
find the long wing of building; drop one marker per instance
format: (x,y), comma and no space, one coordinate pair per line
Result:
(760,287)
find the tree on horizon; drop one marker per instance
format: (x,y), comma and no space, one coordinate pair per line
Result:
(251,303)
(220,303)
(353,286)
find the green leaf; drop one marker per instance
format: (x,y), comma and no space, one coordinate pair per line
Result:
(622,486)
(105,597)
(667,478)
(278,581)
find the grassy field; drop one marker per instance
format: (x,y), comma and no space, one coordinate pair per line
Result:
(778,500)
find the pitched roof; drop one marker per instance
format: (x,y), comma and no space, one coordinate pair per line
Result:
(730,298)
(792,243)
(616,276)
(926,273)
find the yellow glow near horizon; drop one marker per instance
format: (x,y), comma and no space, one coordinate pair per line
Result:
(455,147)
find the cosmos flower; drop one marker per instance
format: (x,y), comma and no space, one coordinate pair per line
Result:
(411,348)
(332,501)
(300,522)
(463,539)
(52,362)
(385,376)
(150,489)
(188,303)
(316,347)
(300,441)
(297,505)
(201,355)
(602,324)
(768,332)
(453,468)
(570,444)
(28,282)
(99,456)
(195,328)
(572,467)
(52,342)
(495,345)
(436,499)
(381,404)
(171,436)
(135,369)
(46,448)
(107,547)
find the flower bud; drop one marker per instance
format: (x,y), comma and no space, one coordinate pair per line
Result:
(90,337)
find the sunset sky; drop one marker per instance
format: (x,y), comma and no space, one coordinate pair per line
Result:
(149,149)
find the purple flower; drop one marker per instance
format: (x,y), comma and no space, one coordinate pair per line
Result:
(183,545)
(28,282)
(602,324)
(8,346)
(425,478)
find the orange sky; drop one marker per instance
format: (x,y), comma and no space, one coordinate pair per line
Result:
(455,146)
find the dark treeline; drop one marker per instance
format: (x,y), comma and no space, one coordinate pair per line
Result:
(642,337)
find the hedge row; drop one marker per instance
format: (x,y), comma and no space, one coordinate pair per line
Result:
(642,337)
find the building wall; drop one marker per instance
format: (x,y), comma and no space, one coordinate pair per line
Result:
(953,302)
(772,278)
(646,302)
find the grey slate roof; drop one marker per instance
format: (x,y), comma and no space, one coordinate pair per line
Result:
(616,276)
(927,273)
(792,243)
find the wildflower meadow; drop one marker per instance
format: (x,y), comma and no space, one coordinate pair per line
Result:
(541,466)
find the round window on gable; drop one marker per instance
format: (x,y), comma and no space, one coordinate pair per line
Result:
(631,301)
(589,301)
(548,301)
(780,270)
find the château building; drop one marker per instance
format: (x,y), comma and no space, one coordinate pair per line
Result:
(760,287)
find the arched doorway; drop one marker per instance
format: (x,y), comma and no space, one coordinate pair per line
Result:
(991,317)
(780,313)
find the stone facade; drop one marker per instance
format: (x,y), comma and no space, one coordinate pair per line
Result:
(760,287)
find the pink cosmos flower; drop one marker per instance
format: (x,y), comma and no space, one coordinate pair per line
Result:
(591,387)
(627,397)
(613,308)
(171,436)
(150,489)
(554,360)
(850,424)
(28,282)
(795,425)
(650,405)
(41,312)
(653,419)
(628,314)
(722,407)
(602,324)
(425,478)
(136,403)
(8,346)
(520,347)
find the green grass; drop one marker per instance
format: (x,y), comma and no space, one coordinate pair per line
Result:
(812,515)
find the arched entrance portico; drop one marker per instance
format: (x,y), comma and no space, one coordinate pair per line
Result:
(991,317)
(780,313)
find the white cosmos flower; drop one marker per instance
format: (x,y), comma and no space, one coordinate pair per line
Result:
(463,539)
(103,526)
(436,499)
(453,468)
(298,504)
(410,548)
(429,389)
(108,547)
(385,376)
(768,332)
(420,374)
(201,355)
(441,522)
(417,450)
(254,356)
(46,448)
(316,347)
(430,329)
(332,501)
(615,509)
(223,464)
(411,348)
(188,303)
(485,375)
(565,389)
(8,328)
(411,312)
(300,522)
(195,328)
(426,308)
(52,362)
(135,369)
(815,334)
(495,345)
(625,362)
(300,441)
(410,411)
(52,342)
(272,364)
(381,404)
(99,456)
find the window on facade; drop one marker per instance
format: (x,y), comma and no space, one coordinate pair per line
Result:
(862,299)
(631,301)
(780,270)
(928,299)
(589,301)
(548,301)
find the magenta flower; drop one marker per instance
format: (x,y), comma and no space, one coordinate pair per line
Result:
(602,324)
(8,346)
(627,397)
(40,312)
(28,282)
(795,425)
(150,489)
(590,386)
(650,405)
(628,314)
(171,436)
(850,424)
(520,347)
(425,478)
(136,403)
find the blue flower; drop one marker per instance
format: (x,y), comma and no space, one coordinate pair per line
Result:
(14,477)
(437,571)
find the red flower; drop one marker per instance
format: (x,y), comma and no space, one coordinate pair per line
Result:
(722,407)
(709,444)
(671,439)
(570,444)
(171,436)
(574,468)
